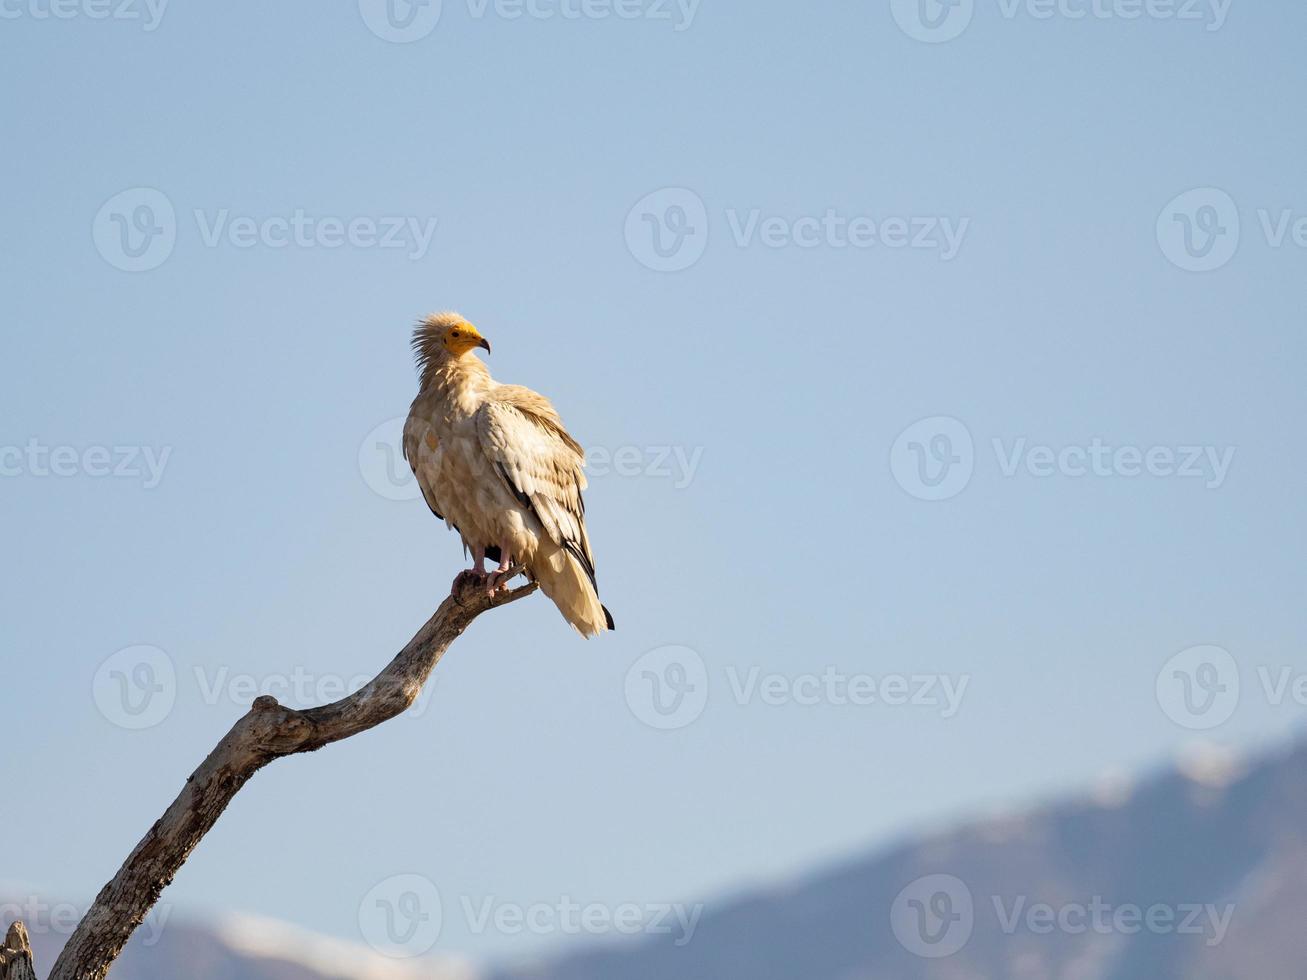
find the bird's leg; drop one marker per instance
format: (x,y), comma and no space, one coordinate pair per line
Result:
(477,571)
(497,579)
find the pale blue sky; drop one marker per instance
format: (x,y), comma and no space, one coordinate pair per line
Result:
(792,548)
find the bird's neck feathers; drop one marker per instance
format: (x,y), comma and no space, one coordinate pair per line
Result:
(451,373)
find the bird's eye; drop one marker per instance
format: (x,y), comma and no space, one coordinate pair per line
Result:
(455,333)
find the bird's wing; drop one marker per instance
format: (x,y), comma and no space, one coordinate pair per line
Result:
(523,436)
(417,432)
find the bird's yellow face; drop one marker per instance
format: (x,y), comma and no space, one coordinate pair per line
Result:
(462,337)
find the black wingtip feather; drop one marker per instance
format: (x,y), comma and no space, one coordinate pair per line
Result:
(609,617)
(574,550)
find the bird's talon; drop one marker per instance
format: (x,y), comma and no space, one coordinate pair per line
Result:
(497,582)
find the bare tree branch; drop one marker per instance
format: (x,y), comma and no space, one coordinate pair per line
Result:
(269,731)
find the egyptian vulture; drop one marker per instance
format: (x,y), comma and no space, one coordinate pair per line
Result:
(495,463)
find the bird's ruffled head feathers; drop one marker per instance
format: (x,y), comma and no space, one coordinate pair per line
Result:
(442,336)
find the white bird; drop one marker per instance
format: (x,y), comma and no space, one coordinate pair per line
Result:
(495,463)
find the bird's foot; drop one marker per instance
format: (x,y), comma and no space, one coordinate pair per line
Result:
(497,581)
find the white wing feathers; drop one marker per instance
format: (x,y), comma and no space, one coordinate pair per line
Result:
(541,465)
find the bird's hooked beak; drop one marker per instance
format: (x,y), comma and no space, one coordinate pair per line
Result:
(466,337)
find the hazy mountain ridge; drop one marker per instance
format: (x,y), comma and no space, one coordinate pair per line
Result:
(1202,839)
(1220,845)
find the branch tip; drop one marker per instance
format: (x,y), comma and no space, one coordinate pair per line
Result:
(16,939)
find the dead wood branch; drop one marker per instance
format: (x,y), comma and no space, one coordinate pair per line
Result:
(268,731)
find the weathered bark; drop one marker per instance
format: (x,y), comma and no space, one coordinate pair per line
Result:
(16,955)
(267,732)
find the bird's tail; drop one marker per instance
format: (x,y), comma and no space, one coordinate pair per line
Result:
(565,580)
